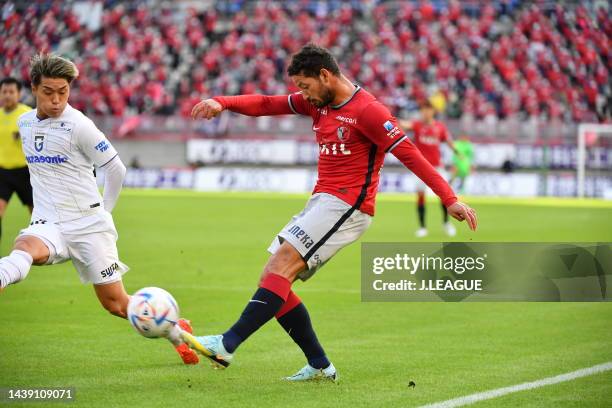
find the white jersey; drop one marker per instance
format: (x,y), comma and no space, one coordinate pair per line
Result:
(61,153)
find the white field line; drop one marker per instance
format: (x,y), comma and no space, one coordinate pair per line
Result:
(472,398)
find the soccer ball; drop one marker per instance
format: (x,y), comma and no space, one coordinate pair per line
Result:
(153,312)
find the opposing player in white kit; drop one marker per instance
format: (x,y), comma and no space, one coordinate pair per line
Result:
(71,220)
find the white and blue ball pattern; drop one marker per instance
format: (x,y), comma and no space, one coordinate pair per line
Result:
(153,312)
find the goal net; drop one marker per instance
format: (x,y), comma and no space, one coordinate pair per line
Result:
(594,161)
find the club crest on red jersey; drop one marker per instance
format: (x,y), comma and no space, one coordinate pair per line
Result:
(343,133)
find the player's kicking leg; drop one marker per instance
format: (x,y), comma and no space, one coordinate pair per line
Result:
(273,298)
(312,237)
(273,291)
(114,299)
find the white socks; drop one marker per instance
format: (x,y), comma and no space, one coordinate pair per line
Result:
(174,336)
(15,267)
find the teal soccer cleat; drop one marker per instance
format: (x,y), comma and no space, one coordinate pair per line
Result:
(309,373)
(210,347)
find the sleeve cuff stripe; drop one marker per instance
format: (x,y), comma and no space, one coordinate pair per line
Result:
(398,141)
(291,105)
(112,158)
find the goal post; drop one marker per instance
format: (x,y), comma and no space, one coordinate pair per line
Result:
(588,134)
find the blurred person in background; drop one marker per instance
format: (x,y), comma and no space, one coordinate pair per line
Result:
(463,162)
(14,174)
(429,133)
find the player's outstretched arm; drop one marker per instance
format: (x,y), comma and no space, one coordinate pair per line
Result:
(250,105)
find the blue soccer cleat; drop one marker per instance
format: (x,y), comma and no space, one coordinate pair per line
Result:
(309,373)
(210,347)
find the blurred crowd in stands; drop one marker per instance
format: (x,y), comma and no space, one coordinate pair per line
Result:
(484,61)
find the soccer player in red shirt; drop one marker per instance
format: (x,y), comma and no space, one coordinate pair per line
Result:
(428,135)
(354,132)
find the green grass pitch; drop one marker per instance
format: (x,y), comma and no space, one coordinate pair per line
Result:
(208,251)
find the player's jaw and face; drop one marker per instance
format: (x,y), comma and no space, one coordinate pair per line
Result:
(51,97)
(316,90)
(9,96)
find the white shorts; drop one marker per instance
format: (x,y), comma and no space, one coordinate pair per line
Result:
(326,225)
(89,241)
(420,185)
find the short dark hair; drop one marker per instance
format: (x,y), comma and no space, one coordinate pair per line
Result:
(310,60)
(9,81)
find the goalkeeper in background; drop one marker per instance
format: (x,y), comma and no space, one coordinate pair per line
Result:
(463,159)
